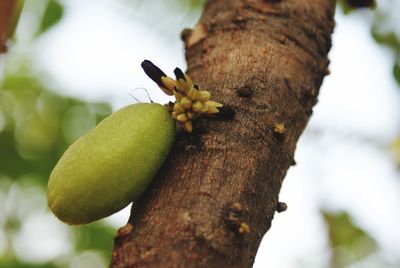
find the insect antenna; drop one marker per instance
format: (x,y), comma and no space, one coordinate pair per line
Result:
(136,99)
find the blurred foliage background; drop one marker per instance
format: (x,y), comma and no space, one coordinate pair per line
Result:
(36,126)
(38,120)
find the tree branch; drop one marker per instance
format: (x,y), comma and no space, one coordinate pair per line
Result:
(216,195)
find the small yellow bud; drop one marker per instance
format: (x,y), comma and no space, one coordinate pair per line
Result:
(280,128)
(214,104)
(178,109)
(177,96)
(186,103)
(244,228)
(182,85)
(197,106)
(204,109)
(166,91)
(189,81)
(193,94)
(212,110)
(169,85)
(204,95)
(188,126)
(181,118)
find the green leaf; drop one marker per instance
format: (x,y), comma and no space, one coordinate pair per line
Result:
(95,236)
(387,38)
(396,71)
(351,5)
(25,99)
(31,120)
(348,241)
(52,15)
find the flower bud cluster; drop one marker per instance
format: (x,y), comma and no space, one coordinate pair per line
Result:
(190,101)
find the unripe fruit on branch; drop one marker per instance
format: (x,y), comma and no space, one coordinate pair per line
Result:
(110,166)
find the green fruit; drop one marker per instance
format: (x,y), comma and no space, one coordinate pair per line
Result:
(111,165)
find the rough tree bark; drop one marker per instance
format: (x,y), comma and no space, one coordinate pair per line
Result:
(267,60)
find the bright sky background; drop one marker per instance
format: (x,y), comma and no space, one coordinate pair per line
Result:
(342,159)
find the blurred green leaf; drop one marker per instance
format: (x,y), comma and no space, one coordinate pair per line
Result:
(52,15)
(395,148)
(386,38)
(385,31)
(32,129)
(384,28)
(396,72)
(17,264)
(97,236)
(349,242)
(351,5)
(35,129)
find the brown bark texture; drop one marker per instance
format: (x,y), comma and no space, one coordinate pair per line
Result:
(216,195)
